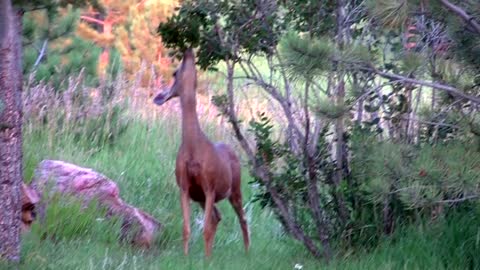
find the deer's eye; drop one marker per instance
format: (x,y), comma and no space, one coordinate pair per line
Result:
(175,73)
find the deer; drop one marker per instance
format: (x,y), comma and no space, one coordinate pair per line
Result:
(205,172)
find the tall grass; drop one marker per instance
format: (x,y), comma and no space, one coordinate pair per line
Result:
(140,158)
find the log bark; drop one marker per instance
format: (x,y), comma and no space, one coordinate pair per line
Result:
(30,199)
(10,131)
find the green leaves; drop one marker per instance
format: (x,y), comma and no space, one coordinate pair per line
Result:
(285,168)
(314,16)
(222,29)
(266,147)
(195,26)
(221,102)
(60,53)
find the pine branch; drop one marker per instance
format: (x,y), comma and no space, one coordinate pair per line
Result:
(306,57)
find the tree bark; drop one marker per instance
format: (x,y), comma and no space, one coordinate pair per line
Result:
(340,95)
(341,39)
(313,200)
(10,131)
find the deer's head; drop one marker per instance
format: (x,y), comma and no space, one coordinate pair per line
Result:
(184,80)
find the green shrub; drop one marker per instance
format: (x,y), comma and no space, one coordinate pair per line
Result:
(407,183)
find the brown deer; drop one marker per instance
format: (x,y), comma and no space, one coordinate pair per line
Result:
(205,172)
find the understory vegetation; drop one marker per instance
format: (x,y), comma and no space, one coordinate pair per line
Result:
(138,153)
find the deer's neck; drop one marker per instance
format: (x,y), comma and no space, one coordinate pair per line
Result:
(191,132)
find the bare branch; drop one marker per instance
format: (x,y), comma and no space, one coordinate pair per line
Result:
(41,54)
(273,91)
(469,20)
(92,20)
(430,122)
(293,228)
(307,120)
(466,198)
(452,90)
(262,173)
(233,117)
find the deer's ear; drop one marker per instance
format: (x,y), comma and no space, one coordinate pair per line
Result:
(163,97)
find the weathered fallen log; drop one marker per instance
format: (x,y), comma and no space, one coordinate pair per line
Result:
(30,199)
(58,177)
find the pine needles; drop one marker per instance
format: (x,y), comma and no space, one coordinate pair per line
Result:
(390,13)
(306,57)
(309,57)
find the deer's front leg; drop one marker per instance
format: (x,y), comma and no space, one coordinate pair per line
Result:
(185,201)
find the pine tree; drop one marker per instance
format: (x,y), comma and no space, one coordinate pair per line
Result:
(52,50)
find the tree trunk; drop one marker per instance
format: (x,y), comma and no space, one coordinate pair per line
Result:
(341,39)
(340,94)
(339,130)
(10,131)
(105,55)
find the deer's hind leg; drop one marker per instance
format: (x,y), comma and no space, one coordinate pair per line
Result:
(236,202)
(210,227)
(216,215)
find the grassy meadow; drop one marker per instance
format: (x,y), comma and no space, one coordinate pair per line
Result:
(141,159)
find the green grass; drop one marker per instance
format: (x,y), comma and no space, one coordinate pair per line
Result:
(141,161)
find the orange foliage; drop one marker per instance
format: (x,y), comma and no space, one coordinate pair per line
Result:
(130,27)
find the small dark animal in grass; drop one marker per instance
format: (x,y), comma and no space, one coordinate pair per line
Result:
(205,172)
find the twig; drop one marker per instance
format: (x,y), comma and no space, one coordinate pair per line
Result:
(92,20)
(430,122)
(466,198)
(41,54)
(450,89)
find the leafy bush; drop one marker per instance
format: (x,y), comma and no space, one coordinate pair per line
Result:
(289,176)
